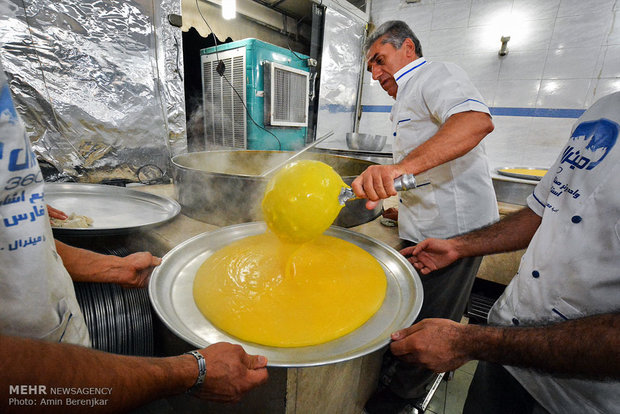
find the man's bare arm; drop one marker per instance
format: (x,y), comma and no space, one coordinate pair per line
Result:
(456,137)
(587,348)
(512,233)
(133,380)
(87,266)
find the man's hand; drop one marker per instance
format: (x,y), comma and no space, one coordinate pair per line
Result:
(431,343)
(55,213)
(231,372)
(431,254)
(132,271)
(86,266)
(391,213)
(377,183)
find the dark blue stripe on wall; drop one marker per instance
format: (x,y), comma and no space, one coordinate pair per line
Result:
(376,108)
(504,111)
(333,108)
(538,112)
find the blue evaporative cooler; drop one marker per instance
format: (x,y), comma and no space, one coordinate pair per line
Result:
(273,84)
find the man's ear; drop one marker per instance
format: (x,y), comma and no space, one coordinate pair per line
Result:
(409,48)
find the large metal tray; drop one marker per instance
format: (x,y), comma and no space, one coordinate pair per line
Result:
(170,290)
(115,210)
(502,171)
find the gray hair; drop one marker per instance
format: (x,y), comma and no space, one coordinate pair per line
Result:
(395,32)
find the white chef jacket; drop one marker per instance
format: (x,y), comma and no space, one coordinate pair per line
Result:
(460,197)
(571,268)
(37,298)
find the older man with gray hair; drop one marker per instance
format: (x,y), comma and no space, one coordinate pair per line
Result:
(438,122)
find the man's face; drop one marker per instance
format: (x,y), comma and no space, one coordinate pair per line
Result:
(388,83)
(383,60)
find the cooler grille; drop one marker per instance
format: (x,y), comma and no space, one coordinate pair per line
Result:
(224,113)
(289,100)
(286,95)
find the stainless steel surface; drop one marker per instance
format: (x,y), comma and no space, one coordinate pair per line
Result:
(115,210)
(513,192)
(522,176)
(297,154)
(170,290)
(225,187)
(365,142)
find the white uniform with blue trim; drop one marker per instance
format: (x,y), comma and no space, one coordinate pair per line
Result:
(460,197)
(37,298)
(571,268)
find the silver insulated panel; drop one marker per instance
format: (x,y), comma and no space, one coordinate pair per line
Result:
(224,112)
(286,102)
(98,84)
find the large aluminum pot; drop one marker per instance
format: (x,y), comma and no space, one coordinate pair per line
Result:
(225,187)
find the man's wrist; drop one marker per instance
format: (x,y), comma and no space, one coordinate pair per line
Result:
(480,342)
(460,245)
(202,372)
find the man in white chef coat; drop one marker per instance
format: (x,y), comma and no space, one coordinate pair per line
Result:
(40,318)
(438,122)
(554,335)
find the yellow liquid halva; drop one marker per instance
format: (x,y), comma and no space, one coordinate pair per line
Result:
(292,286)
(301,200)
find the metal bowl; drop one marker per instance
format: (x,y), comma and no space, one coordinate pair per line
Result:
(171,284)
(365,142)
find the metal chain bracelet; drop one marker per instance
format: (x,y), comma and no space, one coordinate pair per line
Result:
(202,372)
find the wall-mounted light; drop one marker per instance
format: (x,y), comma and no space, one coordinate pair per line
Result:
(229,9)
(503,51)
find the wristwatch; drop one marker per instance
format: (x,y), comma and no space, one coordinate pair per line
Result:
(202,371)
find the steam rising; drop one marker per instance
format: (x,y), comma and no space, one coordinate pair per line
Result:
(222,185)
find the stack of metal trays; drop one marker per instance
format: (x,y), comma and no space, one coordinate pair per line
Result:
(119,320)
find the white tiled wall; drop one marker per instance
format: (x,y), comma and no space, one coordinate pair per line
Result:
(563,54)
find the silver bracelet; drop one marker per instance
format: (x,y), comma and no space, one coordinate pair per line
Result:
(202,371)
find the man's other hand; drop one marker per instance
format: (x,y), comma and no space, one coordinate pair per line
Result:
(231,372)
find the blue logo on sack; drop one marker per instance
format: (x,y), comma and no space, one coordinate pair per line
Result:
(594,139)
(6,105)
